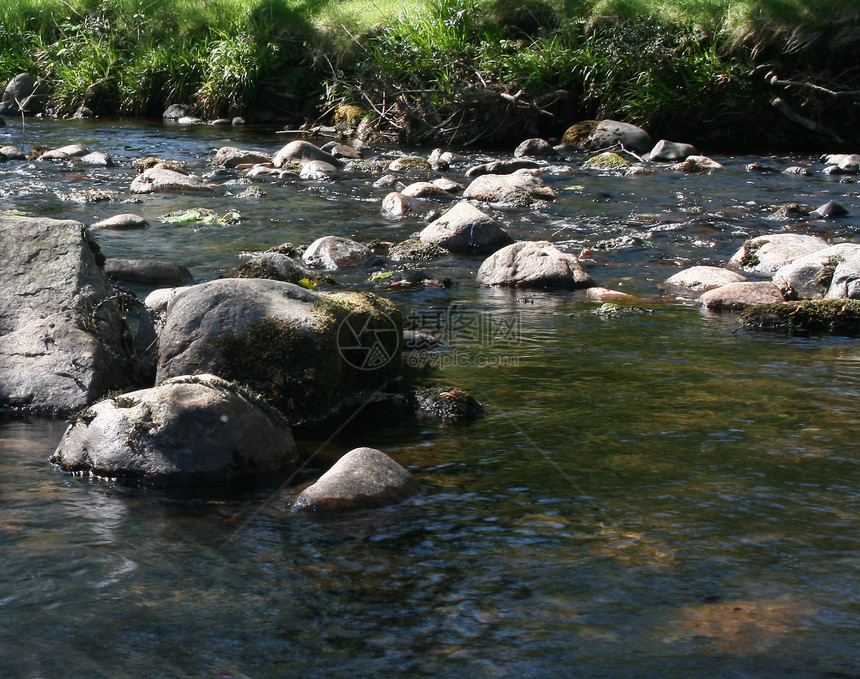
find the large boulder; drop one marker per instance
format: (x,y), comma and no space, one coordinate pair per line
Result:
(299,152)
(769,253)
(162,178)
(189,430)
(533,264)
(309,353)
(518,189)
(336,252)
(361,479)
(63,339)
(833,272)
(23,94)
(466,229)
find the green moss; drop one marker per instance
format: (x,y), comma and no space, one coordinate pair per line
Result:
(805,317)
(606,162)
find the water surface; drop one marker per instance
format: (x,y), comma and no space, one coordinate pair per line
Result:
(650,495)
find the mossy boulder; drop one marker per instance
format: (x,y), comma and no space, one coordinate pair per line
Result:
(805,317)
(607,162)
(308,353)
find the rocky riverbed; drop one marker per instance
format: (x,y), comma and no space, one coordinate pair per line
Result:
(641,487)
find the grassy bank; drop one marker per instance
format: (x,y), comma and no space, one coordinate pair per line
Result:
(454,71)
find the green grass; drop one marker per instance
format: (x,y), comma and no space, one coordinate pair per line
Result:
(449,63)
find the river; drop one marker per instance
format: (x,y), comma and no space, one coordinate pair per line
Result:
(652,495)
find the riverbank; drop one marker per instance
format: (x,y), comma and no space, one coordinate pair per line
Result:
(720,74)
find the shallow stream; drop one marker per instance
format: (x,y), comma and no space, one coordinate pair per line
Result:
(653,495)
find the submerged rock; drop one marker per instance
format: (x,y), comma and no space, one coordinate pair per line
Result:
(533,264)
(64,341)
(805,317)
(188,430)
(449,404)
(147,271)
(767,254)
(308,353)
(415,250)
(466,229)
(361,479)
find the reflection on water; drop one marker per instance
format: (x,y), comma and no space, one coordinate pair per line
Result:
(649,495)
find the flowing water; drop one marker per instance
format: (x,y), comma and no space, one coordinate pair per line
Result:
(653,495)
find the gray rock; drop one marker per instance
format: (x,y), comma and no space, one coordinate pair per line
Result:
(533,264)
(609,133)
(738,296)
(230,156)
(409,164)
(697,164)
(299,152)
(346,152)
(501,167)
(177,111)
(11,153)
(189,430)
(466,229)
(703,278)
(318,170)
(27,90)
(162,179)
(832,272)
(535,148)
(64,339)
(423,190)
(665,151)
(395,204)
(335,252)
(147,272)
(309,353)
(520,189)
(361,479)
(275,266)
(769,253)
(829,210)
(97,159)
